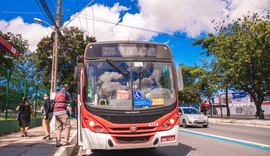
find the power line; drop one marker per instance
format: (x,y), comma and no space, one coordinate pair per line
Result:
(51,6)
(37,13)
(48,13)
(86,23)
(40,8)
(79,13)
(93,22)
(19,12)
(138,28)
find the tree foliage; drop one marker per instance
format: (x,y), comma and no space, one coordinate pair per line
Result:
(72,44)
(241,54)
(16,40)
(23,78)
(190,93)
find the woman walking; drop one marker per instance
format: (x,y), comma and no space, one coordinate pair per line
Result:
(24,119)
(47,109)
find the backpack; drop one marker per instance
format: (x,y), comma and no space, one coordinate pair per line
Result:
(49,105)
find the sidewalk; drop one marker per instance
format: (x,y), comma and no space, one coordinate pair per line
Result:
(242,120)
(34,145)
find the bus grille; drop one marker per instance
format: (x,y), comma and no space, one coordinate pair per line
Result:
(127,130)
(132,140)
(132,119)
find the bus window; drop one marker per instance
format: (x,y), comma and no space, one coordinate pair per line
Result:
(154,85)
(109,85)
(111,89)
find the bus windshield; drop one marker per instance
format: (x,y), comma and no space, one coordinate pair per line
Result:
(110,85)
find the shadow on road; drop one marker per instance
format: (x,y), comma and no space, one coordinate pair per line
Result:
(180,150)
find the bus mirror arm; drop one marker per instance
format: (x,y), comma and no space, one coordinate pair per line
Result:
(180,79)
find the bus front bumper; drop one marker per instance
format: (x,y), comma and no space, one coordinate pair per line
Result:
(100,141)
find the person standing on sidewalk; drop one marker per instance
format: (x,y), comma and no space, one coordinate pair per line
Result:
(75,112)
(24,120)
(47,109)
(62,119)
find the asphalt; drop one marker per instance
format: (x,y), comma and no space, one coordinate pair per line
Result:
(34,145)
(253,134)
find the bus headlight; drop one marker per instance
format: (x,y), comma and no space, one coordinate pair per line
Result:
(95,126)
(91,123)
(170,122)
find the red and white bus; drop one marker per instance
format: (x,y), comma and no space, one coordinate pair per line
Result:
(127,96)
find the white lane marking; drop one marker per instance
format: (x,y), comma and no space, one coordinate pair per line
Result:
(226,138)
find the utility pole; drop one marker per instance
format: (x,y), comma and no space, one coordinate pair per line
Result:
(55,48)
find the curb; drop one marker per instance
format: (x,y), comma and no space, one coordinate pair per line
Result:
(240,122)
(68,150)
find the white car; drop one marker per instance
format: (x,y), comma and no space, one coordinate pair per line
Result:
(190,116)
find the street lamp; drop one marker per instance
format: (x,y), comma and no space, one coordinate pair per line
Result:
(54,58)
(40,21)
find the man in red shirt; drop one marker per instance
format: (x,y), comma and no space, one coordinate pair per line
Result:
(62,119)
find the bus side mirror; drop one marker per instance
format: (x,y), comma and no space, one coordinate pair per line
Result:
(180,79)
(79,65)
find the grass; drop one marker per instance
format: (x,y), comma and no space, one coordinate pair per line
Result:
(9,118)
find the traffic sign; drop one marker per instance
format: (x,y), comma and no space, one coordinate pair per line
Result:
(137,95)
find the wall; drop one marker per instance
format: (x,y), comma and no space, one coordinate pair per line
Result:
(8,126)
(244,109)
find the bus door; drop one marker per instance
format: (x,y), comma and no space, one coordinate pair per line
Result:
(79,105)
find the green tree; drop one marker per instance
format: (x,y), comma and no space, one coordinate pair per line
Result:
(23,77)
(190,93)
(241,51)
(72,44)
(207,83)
(7,59)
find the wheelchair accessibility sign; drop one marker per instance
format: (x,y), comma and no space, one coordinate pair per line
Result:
(137,95)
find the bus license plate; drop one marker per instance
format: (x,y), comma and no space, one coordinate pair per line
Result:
(168,138)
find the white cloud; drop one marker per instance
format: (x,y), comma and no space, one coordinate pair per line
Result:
(192,17)
(241,7)
(31,32)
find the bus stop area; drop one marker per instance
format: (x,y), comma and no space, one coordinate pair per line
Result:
(13,144)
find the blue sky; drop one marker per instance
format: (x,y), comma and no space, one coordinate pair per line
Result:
(190,19)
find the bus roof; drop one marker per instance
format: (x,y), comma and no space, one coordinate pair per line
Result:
(127,42)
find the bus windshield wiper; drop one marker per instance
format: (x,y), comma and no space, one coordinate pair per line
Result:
(116,66)
(144,70)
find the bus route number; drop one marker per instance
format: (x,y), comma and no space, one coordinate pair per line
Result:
(153,124)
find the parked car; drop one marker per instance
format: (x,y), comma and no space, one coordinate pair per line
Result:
(190,116)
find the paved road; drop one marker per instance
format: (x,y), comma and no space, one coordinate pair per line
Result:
(201,142)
